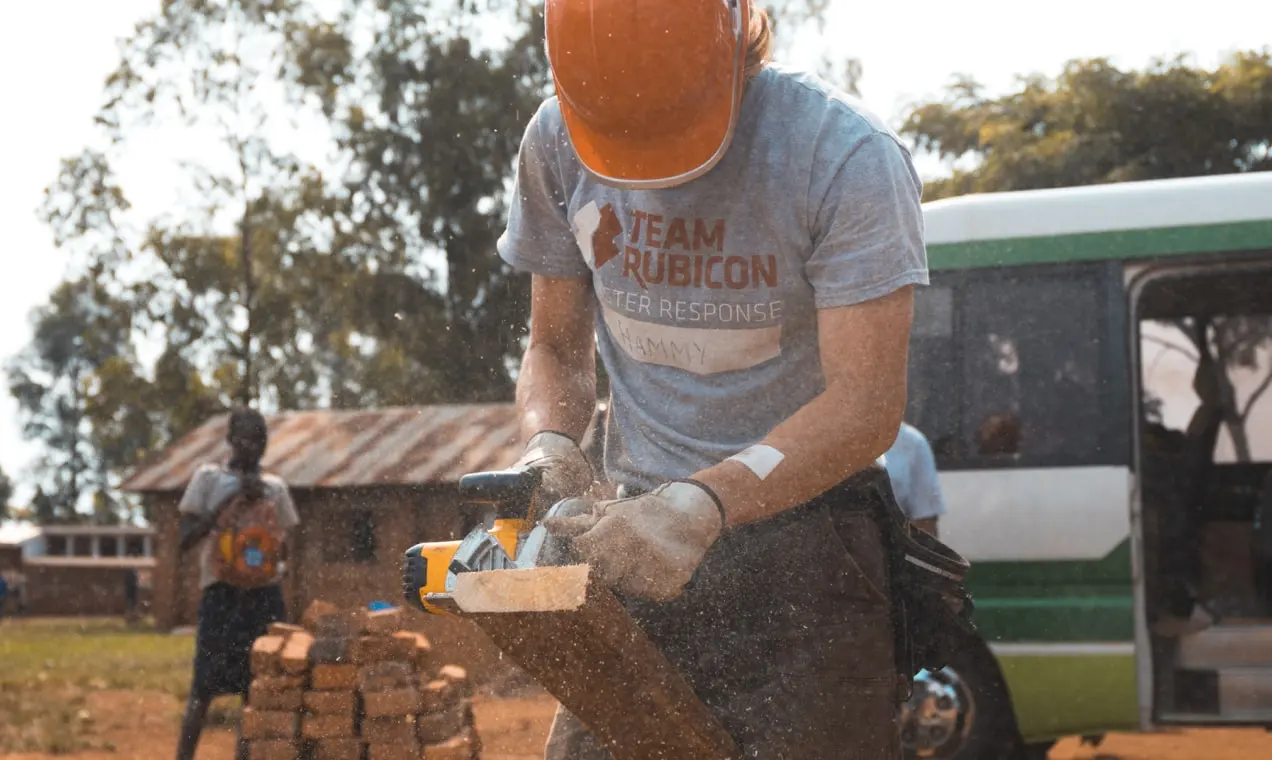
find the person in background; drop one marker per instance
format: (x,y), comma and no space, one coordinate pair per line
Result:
(233,612)
(4,591)
(130,596)
(912,467)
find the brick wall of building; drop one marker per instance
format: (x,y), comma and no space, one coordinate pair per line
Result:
(76,591)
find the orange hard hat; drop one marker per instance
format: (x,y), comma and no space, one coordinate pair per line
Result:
(649,89)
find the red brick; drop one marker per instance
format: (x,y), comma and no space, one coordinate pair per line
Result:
(262,724)
(384,622)
(371,649)
(437,696)
(338,749)
(284,629)
(386,676)
(458,677)
(328,726)
(295,655)
(397,730)
(384,704)
(440,726)
(460,747)
(340,677)
(273,749)
(330,702)
(265,655)
(265,699)
(393,751)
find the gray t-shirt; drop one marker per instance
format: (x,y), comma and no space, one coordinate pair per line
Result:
(708,292)
(912,468)
(210,487)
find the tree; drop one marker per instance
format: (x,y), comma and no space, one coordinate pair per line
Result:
(83,327)
(6,493)
(370,280)
(430,120)
(1096,123)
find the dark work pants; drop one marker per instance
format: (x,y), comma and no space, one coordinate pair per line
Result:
(786,635)
(230,619)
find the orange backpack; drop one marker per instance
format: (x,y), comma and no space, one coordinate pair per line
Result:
(248,542)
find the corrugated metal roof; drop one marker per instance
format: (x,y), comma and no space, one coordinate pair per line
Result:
(343,449)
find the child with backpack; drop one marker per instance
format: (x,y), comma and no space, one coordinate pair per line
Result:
(240,519)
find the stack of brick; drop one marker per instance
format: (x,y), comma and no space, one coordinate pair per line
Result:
(351,685)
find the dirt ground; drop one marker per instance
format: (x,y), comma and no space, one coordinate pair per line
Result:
(142,726)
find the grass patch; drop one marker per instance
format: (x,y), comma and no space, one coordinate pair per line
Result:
(49,666)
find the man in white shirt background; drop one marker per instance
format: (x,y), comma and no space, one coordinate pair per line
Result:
(912,467)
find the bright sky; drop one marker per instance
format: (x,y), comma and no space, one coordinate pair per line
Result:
(54,55)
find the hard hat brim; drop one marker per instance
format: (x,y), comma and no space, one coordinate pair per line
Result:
(649,162)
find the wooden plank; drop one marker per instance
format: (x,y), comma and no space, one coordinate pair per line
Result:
(576,639)
(265,658)
(333,677)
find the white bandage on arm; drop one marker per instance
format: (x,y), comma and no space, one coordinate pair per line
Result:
(759,459)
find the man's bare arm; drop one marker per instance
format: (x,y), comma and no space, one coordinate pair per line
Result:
(556,389)
(864,352)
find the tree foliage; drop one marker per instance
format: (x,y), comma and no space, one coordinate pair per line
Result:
(1096,123)
(6,493)
(364,277)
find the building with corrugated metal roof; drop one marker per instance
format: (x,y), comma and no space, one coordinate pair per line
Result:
(367,485)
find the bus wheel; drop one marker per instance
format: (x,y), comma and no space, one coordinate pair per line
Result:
(961,712)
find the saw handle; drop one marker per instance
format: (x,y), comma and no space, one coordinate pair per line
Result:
(509,491)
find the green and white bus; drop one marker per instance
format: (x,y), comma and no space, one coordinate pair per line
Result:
(1086,456)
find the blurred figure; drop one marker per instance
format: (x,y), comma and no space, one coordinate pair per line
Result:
(241,519)
(130,596)
(912,467)
(998,435)
(4,592)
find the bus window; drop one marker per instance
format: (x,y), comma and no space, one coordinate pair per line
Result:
(1005,368)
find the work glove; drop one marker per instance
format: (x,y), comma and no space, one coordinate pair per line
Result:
(565,470)
(647,546)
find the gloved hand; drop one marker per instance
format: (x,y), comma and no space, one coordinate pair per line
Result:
(566,471)
(647,546)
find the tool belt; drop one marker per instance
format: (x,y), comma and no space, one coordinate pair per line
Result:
(931,607)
